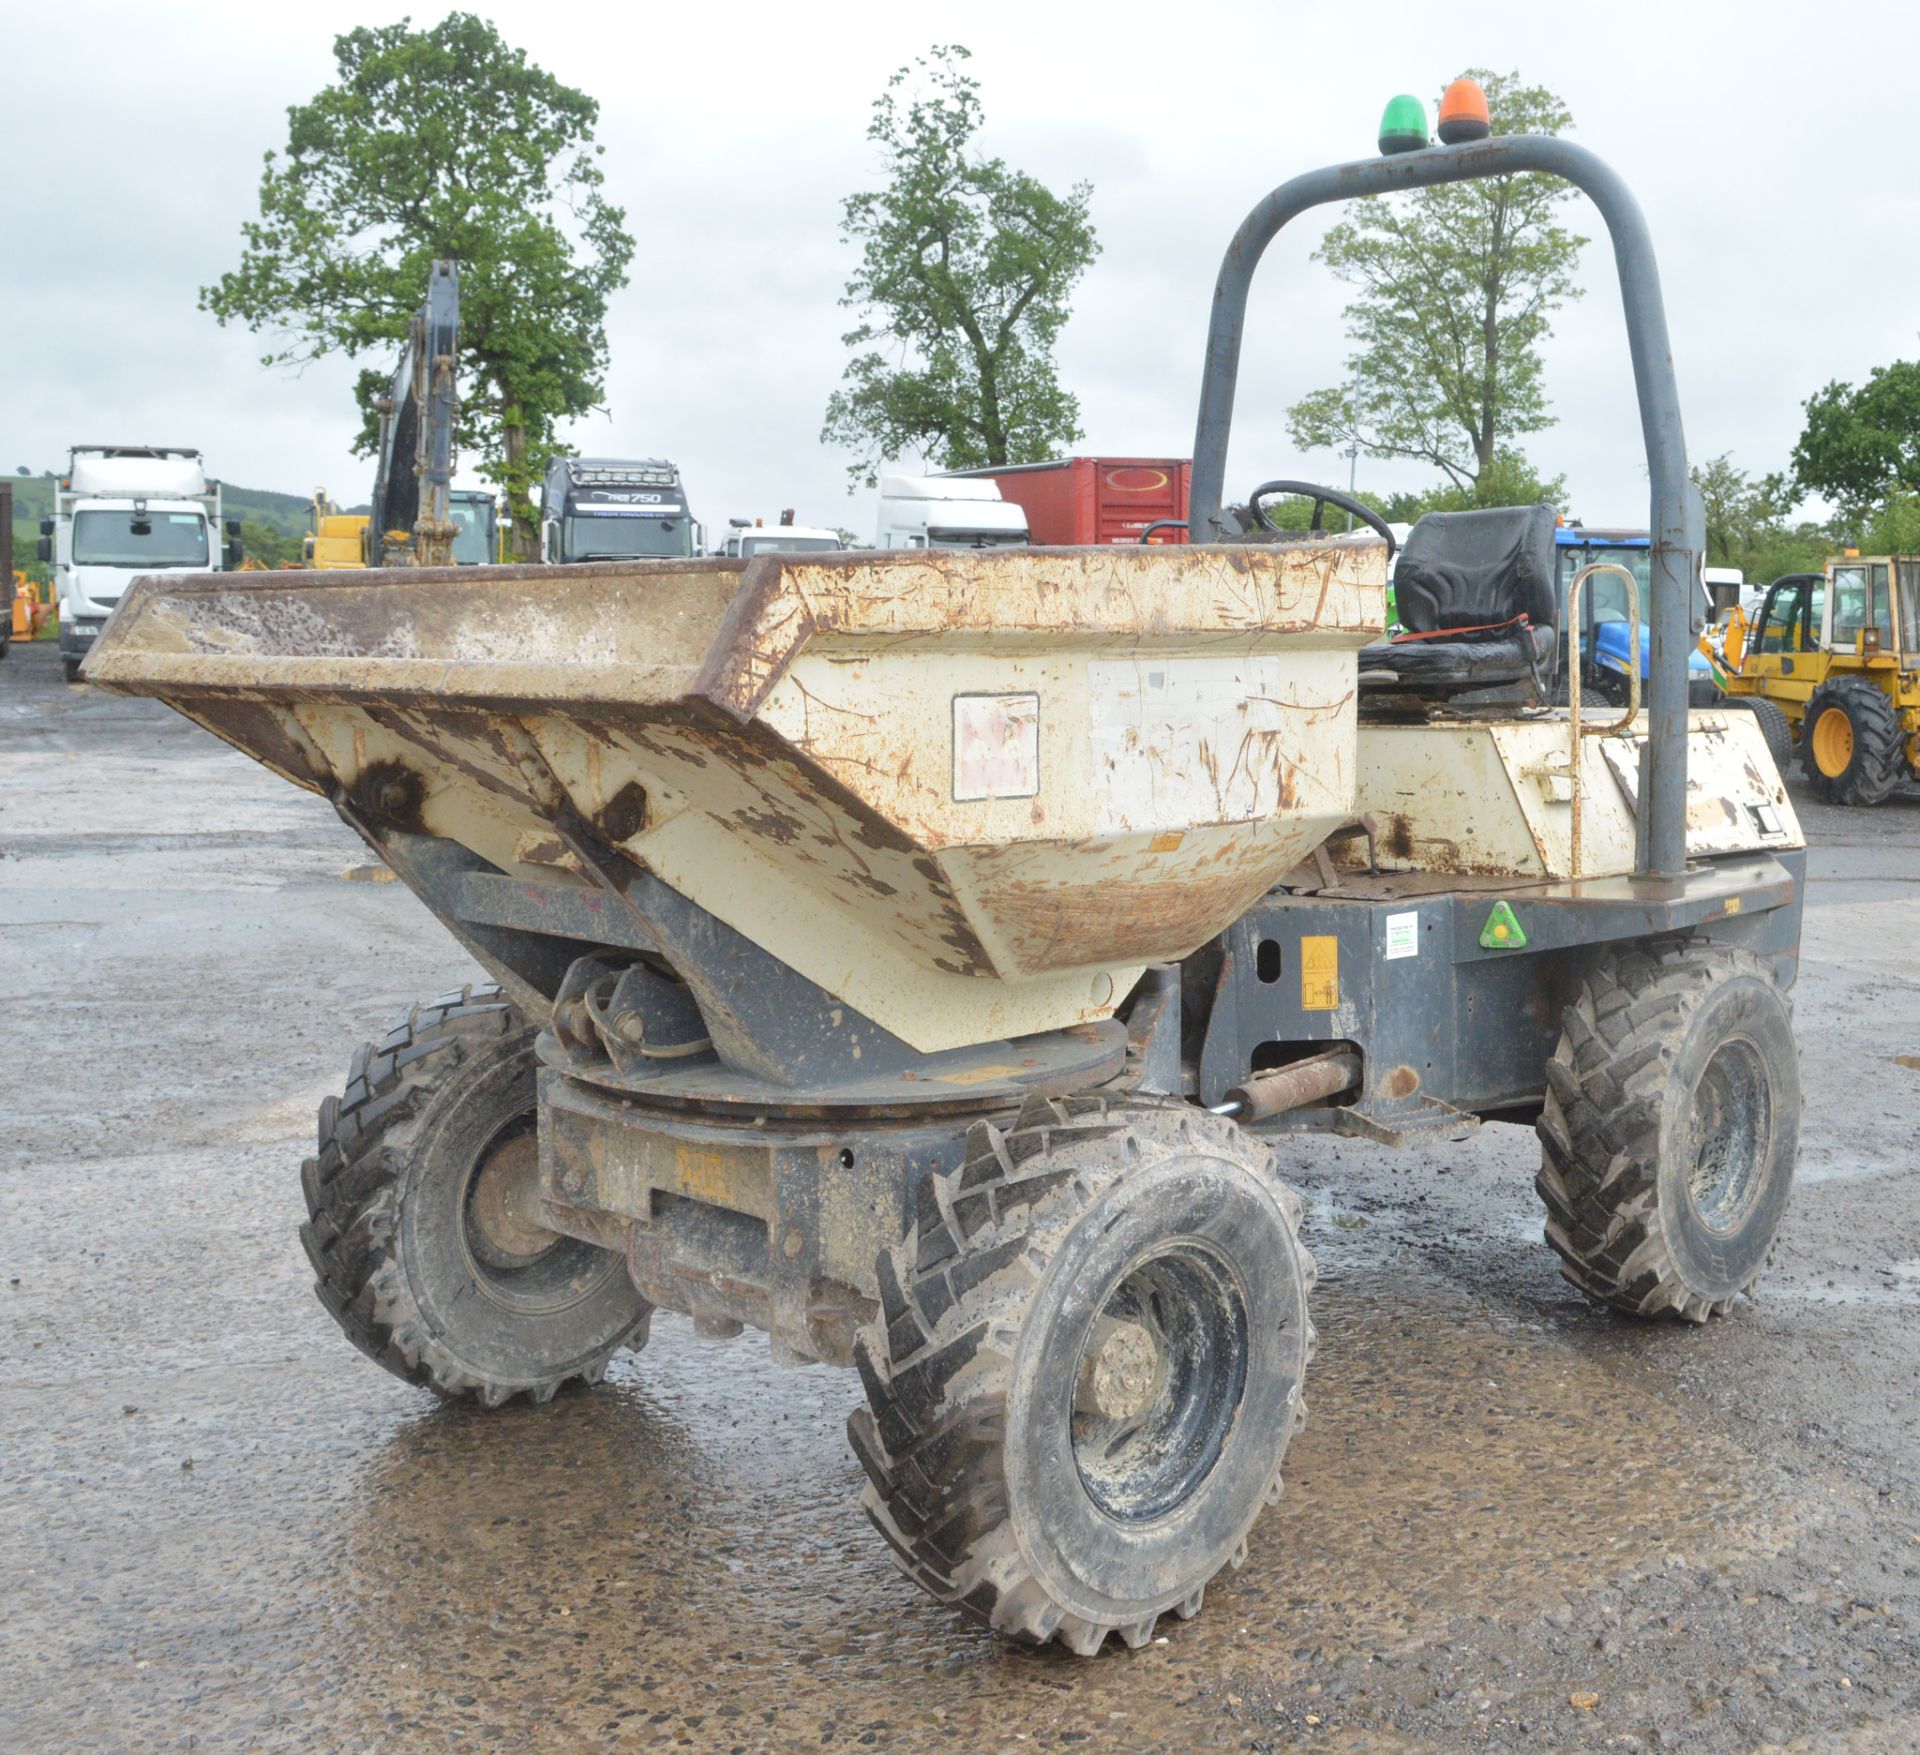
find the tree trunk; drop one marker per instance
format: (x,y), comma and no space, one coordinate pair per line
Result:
(993,432)
(523,527)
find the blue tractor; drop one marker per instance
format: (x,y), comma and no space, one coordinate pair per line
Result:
(1605,632)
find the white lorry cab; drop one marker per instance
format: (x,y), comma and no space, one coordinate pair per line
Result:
(746,540)
(946,511)
(121,511)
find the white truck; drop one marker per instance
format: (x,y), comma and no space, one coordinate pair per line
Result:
(947,511)
(121,511)
(745,540)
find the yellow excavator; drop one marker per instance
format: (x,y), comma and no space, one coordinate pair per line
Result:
(339,538)
(411,523)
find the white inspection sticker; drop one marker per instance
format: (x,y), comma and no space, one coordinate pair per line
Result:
(1403,935)
(996,746)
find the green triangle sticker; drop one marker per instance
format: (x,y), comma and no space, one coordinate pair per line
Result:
(1502,931)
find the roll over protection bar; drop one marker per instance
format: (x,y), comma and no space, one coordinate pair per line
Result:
(1676,520)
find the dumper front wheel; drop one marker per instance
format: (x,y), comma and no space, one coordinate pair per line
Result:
(1670,1129)
(1086,1368)
(423,1223)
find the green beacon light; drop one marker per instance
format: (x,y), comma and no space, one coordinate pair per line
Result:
(1403,128)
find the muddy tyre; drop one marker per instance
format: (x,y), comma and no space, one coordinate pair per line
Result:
(422,1225)
(1086,1369)
(1670,1129)
(1850,743)
(1775,727)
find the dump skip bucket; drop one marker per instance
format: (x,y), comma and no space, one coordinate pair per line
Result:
(972,794)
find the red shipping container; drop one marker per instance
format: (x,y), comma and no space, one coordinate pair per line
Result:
(1079,501)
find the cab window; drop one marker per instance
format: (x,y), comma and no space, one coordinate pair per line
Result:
(1860,601)
(1789,619)
(1909,575)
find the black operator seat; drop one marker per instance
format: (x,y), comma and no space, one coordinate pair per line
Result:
(1461,582)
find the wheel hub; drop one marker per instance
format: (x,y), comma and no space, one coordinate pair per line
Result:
(1158,1386)
(1833,743)
(503,1206)
(1121,1372)
(1733,1120)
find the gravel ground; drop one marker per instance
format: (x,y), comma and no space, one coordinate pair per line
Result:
(1513,1522)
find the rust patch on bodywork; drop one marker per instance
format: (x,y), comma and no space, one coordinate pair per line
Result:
(389,795)
(625,814)
(1402,1081)
(1080,925)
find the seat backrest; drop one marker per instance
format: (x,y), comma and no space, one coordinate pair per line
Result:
(1473,569)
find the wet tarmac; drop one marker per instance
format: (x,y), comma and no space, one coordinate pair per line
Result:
(1512,1522)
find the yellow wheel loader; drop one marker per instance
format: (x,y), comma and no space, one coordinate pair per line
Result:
(1831,665)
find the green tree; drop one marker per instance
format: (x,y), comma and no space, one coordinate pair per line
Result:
(966,271)
(1861,445)
(1740,510)
(26,559)
(442,143)
(1508,480)
(1457,288)
(1892,528)
(270,546)
(1751,523)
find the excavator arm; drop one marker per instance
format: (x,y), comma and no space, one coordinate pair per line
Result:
(412,523)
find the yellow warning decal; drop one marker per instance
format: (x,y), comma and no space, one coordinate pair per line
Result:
(1319,974)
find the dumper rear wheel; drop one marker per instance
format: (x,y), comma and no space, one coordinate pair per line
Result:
(1086,1369)
(1670,1129)
(423,1225)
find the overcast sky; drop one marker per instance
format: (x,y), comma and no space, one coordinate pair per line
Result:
(1773,151)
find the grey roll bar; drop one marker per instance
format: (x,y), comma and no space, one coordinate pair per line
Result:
(1675,522)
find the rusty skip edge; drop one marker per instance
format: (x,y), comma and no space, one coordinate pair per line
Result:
(1154,596)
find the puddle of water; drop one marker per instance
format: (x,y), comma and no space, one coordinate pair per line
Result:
(1894,1286)
(680,1557)
(1820,1163)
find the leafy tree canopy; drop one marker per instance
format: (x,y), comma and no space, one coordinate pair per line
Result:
(444,142)
(1751,523)
(966,270)
(1861,445)
(1457,288)
(270,546)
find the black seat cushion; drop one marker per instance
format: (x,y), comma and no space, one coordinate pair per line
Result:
(1477,569)
(1462,584)
(1483,661)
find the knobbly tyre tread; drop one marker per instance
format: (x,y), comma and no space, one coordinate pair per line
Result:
(352,1188)
(1775,727)
(1599,1126)
(1880,750)
(934,1365)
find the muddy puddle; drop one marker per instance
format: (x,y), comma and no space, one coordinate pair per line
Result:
(678,1559)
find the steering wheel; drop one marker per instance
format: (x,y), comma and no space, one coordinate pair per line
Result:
(1322,498)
